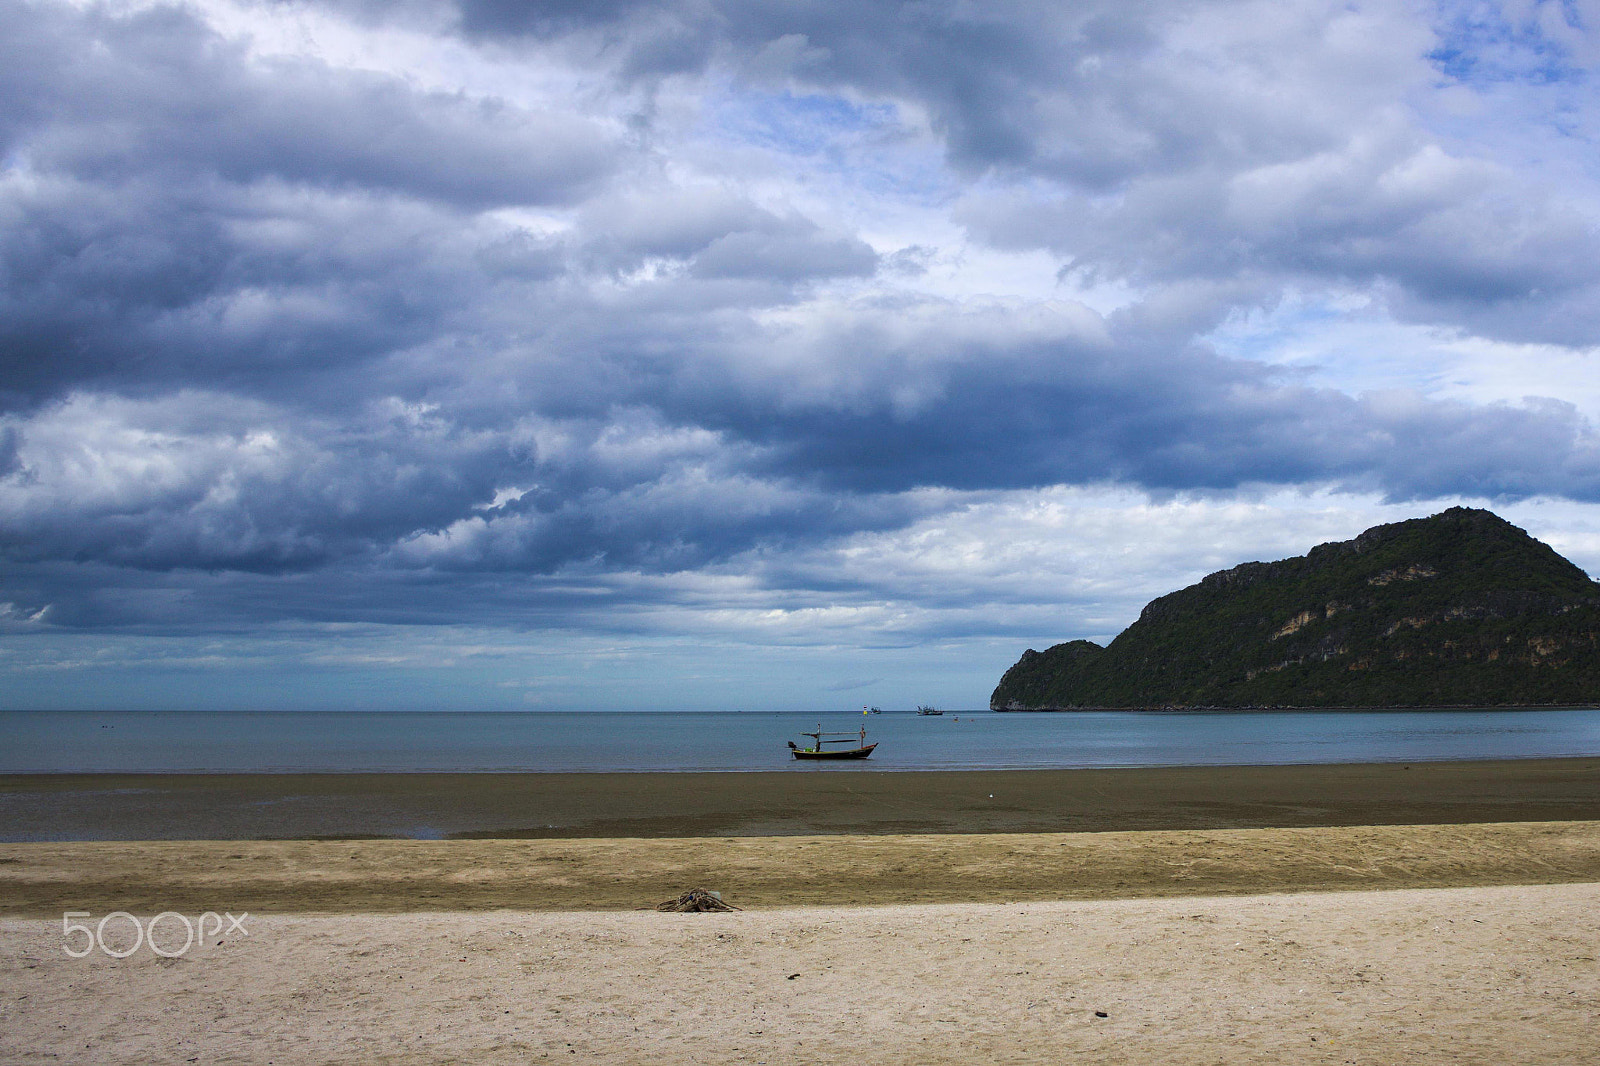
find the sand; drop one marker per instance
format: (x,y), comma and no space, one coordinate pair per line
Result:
(1461,976)
(1307,939)
(392,876)
(800,802)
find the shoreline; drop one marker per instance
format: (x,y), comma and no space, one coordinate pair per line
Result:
(801,767)
(433,806)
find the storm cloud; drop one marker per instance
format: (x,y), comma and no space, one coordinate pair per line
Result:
(329,313)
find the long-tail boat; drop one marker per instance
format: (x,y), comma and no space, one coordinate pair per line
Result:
(821,738)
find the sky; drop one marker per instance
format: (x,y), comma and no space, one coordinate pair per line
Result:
(784,354)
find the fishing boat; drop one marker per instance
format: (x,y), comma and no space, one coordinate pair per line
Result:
(925,711)
(820,738)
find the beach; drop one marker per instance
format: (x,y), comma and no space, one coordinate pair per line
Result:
(1443,940)
(1462,976)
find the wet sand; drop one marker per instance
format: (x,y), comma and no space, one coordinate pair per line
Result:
(800,802)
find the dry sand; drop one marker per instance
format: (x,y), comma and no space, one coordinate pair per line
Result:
(1462,976)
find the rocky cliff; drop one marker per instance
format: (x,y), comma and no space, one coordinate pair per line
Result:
(1460,609)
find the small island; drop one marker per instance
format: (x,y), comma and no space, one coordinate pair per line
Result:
(1462,609)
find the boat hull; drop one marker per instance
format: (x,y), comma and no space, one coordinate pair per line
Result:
(847,753)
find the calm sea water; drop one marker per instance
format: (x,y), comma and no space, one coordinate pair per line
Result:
(246,742)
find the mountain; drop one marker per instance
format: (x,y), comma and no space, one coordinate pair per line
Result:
(1460,609)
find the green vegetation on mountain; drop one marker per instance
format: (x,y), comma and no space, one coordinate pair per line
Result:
(1460,609)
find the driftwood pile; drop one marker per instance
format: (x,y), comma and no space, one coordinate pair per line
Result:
(696,899)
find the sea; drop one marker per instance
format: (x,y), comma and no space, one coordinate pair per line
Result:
(40,742)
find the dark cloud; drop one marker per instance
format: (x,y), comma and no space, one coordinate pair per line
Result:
(1292,162)
(284,339)
(202,480)
(193,215)
(790,254)
(720,454)
(509,17)
(140,285)
(10,464)
(1455,241)
(158,92)
(981,402)
(719,235)
(1088,93)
